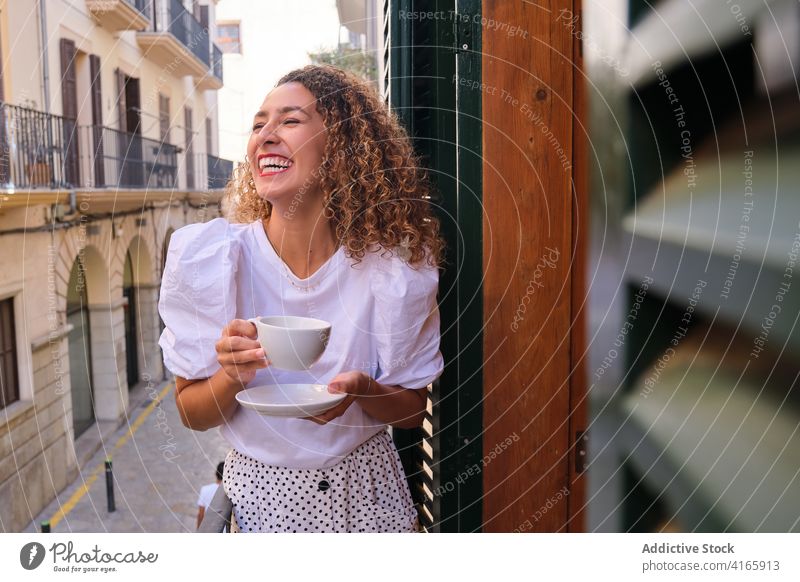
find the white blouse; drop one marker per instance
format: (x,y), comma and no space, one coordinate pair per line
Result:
(384,320)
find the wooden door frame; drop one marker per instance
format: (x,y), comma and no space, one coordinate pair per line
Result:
(534,264)
(482,181)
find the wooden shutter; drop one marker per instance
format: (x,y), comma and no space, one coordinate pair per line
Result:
(98,156)
(69,104)
(163,117)
(189,135)
(69,87)
(9,377)
(122,110)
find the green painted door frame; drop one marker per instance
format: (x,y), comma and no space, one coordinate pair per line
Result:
(432,67)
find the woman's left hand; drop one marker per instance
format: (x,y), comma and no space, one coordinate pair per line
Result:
(354,384)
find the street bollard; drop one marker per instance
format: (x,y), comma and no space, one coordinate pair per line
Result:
(110,486)
(45,527)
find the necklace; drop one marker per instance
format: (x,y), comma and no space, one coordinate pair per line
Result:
(290,276)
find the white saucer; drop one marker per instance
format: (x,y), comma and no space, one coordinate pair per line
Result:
(289,400)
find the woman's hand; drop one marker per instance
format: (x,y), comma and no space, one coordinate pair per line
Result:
(354,384)
(239,352)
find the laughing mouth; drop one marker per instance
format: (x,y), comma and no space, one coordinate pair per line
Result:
(269,165)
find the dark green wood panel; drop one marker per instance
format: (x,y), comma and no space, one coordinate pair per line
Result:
(426,58)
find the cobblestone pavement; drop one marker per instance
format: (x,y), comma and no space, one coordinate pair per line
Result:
(159,467)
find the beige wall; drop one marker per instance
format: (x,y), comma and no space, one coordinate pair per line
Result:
(72,20)
(37,445)
(36,440)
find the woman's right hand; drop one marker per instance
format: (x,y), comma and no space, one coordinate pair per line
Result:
(239,352)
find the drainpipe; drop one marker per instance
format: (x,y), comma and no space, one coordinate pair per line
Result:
(45,61)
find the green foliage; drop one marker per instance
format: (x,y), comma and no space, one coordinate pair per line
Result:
(353,60)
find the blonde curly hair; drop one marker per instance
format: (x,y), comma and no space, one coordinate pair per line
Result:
(376,193)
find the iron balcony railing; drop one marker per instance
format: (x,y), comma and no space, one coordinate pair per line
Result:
(172,17)
(37,150)
(143,6)
(117,159)
(219,172)
(216,61)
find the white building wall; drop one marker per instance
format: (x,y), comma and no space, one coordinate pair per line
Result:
(270,49)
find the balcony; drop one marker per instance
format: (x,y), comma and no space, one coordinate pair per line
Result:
(121,14)
(177,42)
(213,78)
(115,159)
(219,172)
(41,153)
(37,150)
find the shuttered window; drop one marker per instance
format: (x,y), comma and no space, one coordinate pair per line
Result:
(69,102)
(98,154)
(9,376)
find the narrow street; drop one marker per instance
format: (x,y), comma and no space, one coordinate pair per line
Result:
(159,467)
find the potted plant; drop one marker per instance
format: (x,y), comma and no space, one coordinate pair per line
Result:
(33,137)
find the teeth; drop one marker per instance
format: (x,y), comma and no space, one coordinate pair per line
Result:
(273,161)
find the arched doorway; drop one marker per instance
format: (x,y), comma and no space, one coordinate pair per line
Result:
(131,351)
(80,350)
(164,251)
(140,293)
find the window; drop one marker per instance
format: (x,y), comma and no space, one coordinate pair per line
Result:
(228,38)
(209,136)
(9,380)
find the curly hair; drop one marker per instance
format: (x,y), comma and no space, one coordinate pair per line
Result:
(376,193)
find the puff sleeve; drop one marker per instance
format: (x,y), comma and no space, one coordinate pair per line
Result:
(198,296)
(406,323)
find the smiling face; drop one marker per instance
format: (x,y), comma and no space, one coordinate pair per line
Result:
(287,144)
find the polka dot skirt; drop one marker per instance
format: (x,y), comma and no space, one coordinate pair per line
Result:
(365,492)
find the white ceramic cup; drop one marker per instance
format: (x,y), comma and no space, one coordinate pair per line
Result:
(291,342)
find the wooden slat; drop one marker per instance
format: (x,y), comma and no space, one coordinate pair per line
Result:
(530,210)
(97,149)
(122,109)
(69,102)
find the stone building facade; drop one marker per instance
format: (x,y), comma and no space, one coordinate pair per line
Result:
(108,136)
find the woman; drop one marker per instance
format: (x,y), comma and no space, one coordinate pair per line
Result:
(331,220)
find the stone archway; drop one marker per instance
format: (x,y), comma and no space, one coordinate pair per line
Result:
(142,330)
(80,350)
(93,368)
